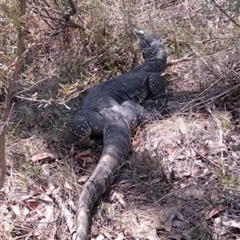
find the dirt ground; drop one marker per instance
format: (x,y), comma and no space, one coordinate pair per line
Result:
(181,179)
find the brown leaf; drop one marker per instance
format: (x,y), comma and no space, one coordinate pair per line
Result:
(84,156)
(135,144)
(164,220)
(44,156)
(33,187)
(216,147)
(84,153)
(156,180)
(81,154)
(170,150)
(169,220)
(215,211)
(32,204)
(87,160)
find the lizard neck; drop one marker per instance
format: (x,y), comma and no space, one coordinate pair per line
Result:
(155,65)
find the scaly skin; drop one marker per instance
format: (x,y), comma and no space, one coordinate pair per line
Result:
(112,110)
(115,150)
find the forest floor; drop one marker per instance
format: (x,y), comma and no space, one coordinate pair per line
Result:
(181,179)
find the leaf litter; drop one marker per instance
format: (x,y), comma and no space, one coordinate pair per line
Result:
(182,178)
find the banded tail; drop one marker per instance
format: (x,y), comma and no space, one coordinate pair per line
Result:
(117,137)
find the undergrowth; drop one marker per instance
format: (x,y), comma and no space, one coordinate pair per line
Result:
(63,61)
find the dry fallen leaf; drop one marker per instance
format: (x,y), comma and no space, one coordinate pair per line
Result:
(215,211)
(82,154)
(120,237)
(83,179)
(17,212)
(100,237)
(216,147)
(152,235)
(32,204)
(20,213)
(156,180)
(135,144)
(67,185)
(44,156)
(165,218)
(203,150)
(56,191)
(85,157)
(170,150)
(33,187)
(232,223)
(87,160)
(169,222)
(228,135)
(118,197)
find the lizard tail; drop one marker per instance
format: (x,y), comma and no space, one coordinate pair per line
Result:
(116,138)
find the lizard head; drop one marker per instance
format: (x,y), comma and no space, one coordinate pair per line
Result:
(151,46)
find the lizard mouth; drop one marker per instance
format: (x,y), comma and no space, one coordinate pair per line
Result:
(138,33)
(150,44)
(141,38)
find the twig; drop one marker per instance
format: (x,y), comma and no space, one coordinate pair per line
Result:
(226,14)
(64,21)
(203,62)
(49,102)
(34,100)
(41,15)
(208,159)
(66,213)
(174,192)
(176,61)
(206,99)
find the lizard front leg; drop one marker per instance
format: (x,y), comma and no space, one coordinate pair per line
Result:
(157,89)
(87,123)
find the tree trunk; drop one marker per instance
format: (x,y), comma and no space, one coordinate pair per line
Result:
(11,85)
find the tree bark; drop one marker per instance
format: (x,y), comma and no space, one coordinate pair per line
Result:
(10,89)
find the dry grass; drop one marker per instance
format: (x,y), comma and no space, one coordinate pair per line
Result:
(182,179)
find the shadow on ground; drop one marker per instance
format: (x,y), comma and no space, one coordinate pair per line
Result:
(180,182)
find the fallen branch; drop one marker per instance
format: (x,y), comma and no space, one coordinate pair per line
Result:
(176,61)
(225,13)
